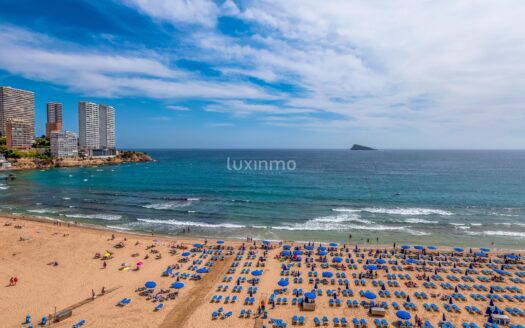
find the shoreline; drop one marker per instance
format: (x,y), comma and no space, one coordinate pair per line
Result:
(123,157)
(190,238)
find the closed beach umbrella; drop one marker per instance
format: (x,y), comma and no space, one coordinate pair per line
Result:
(383,287)
(310,296)
(150,284)
(403,315)
(327,274)
(444,318)
(450,301)
(408,298)
(283,283)
(370,295)
(337,259)
(177,285)
(186,254)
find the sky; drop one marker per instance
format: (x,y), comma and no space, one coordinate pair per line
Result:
(277,74)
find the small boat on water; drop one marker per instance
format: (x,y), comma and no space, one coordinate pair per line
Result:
(10,176)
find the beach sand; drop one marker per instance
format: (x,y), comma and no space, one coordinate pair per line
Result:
(27,252)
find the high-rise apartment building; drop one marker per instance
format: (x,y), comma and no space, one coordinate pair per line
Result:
(19,105)
(19,134)
(96,129)
(54,118)
(63,144)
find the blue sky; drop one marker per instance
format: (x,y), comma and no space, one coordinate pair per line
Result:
(277,74)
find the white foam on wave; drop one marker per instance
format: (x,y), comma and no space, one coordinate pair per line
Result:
(476,224)
(342,218)
(42,211)
(505,233)
(417,232)
(172,204)
(107,217)
(192,223)
(417,221)
(397,211)
(3,187)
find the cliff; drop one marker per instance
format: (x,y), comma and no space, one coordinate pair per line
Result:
(360,147)
(36,163)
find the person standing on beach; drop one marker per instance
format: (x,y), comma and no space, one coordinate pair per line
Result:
(93,295)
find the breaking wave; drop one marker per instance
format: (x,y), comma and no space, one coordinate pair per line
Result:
(172,204)
(107,217)
(397,211)
(192,223)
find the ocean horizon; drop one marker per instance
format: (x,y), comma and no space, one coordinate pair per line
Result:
(442,197)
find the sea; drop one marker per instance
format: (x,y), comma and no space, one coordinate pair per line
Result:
(469,198)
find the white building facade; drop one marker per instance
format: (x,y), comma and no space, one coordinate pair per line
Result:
(96,129)
(63,144)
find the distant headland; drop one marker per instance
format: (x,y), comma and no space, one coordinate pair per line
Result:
(360,147)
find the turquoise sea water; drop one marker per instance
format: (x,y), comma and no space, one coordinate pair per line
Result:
(468,198)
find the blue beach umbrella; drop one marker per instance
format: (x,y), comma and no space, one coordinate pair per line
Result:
(511,256)
(412,261)
(257,273)
(479,254)
(177,285)
(380,261)
(403,315)
(287,246)
(310,296)
(220,242)
(432,247)
(418,247)
(266,242)
(333,244)
(197,245)
(323,253)
(297,252)
(370,295)
(484,249)
(283,283)
(286,253)
(321,248)
(186,254)
(150,284)
(371,267)
(308,247)
(327,274)
(202,270)
(337,259)
(458,249)
(405,247)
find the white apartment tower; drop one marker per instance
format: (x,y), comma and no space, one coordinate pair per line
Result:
(17,105)
(96,129)
(63,144)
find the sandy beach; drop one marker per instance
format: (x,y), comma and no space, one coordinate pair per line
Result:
(59,265)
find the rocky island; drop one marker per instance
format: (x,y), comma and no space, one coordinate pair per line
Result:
(360,147)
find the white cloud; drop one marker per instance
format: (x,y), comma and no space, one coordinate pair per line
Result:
(178,108)
(101,74)
(202,12)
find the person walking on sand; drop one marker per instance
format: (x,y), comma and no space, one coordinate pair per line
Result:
(104,265)
(15,281)
(93,295)
(11,282)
